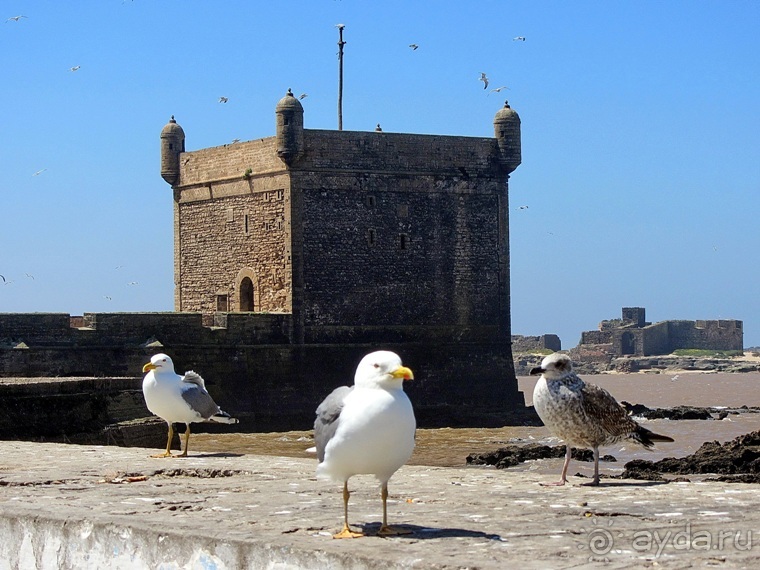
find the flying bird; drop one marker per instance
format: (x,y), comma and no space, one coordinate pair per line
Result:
(106,297)
(133,283)
(14,18)
(340,26)
(413,46)
(484,79)
(519,39)
(581,414)
(29,275)
(303,95)
(499,89)
(223,99)
(39,172)
(176,398)
(367,428)
(523,207)
(75,68)
(3,278)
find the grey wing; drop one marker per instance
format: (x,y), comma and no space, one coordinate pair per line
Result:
(328,417)
(199,400)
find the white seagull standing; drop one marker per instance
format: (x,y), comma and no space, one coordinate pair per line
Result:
(581,414)
(176,398)
(366,429)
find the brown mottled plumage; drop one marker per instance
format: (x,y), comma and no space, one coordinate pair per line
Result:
(581,414)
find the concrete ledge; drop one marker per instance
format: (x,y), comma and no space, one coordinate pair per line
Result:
(107,507)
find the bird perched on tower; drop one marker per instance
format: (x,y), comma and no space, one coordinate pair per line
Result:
(583,415)
(176,398)
(367,428)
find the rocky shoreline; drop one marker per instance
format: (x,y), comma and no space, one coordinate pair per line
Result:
(589,361)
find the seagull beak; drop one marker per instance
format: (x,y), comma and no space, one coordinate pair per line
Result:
(536,371)
(403,372)
(148,367)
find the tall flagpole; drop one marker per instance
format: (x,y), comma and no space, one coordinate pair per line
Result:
(341,43)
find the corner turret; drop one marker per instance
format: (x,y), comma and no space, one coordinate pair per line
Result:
(506,125)
(172,144)
(289,113)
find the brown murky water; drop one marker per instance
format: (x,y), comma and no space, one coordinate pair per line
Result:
(449,447)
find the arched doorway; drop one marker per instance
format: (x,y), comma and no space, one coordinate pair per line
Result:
(628,343)
(246,295)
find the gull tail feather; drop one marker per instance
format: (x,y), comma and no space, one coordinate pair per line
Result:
(647,438)
(223,418)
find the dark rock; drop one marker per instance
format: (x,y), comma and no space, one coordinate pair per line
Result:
(512,455)
(738,459)
(675,413)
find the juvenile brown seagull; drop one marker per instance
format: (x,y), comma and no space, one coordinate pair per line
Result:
(581,414)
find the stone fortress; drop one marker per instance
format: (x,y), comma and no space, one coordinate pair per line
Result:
(632,335)
(297,254)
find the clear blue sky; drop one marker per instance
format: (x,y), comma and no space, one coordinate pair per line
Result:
(640,132)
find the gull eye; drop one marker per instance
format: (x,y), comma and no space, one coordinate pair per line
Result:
(376,365)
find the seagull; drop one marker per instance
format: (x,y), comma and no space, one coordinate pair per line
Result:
(519,39)
(413,46)
(75,68)
(378,128)
(3,278)
(29,275)
(234,141)
(223,99)
(176,398)
(106,297)
(303,95)
(15,18)
(39,172)
(133,283)
(340,26)
(499,89)
(366,429)
(583,415)
(484,79)
(523,207)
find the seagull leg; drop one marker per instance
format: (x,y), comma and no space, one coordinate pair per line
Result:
(563,477)
(595,481)
(187,439)
(168,452)
(386,530)
(346,532)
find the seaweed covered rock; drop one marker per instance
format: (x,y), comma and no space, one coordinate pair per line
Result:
(737,460)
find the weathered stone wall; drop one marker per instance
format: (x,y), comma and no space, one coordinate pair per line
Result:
(522,343)
(228,239)
(596,337)
(656,339)
(714,335)
(251,369)
(402,232)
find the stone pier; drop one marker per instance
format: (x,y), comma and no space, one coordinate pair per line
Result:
(71,506)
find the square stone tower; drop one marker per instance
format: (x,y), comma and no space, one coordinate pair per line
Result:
(361,237)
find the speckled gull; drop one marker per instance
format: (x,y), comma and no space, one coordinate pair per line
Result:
(581,414)
(176,398)
(367,428)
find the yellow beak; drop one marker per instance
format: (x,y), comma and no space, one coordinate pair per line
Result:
(148,367)
(403,372)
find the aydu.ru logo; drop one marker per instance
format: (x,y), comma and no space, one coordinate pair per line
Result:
(602,541)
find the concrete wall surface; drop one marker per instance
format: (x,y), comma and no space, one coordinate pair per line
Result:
(90,507)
